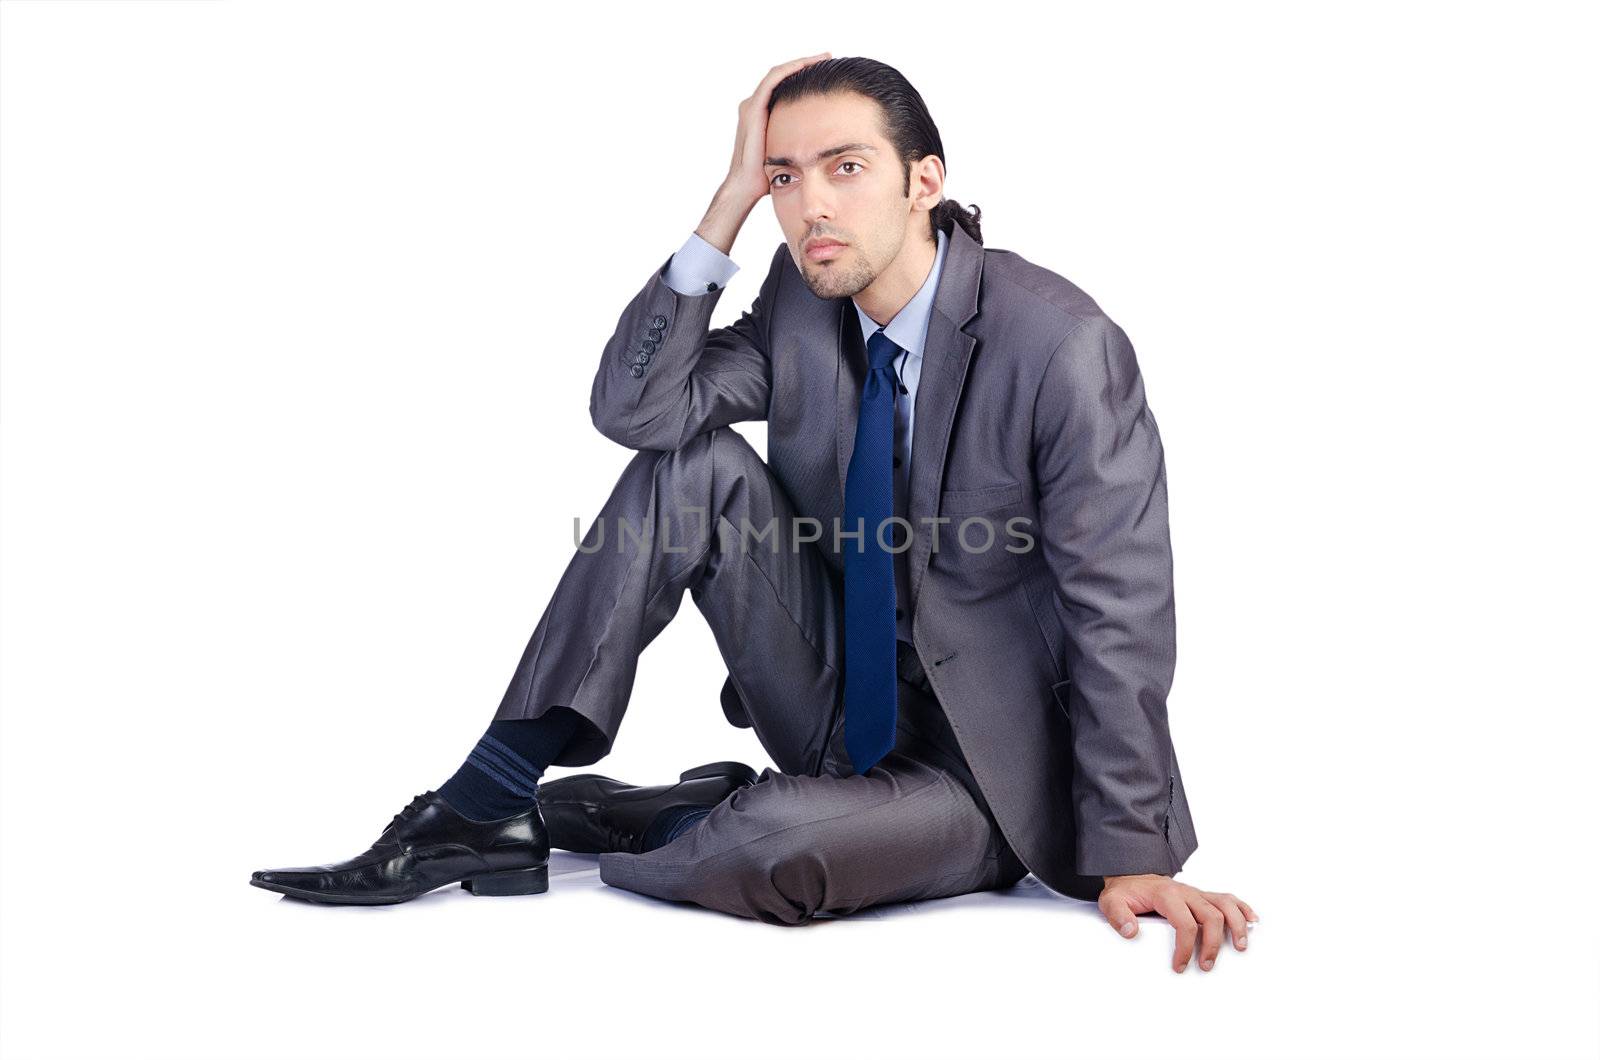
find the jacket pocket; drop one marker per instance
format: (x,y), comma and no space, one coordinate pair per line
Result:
(955,502)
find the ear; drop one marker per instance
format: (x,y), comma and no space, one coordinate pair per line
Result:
(927,181)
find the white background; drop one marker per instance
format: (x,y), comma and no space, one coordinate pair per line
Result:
(301,306)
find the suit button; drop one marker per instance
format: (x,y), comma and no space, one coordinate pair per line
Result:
(649,345)
(636,369)
(654,334)
(711,287)
(659,322)
(642,357)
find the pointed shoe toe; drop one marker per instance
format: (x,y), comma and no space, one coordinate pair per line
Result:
(426,846)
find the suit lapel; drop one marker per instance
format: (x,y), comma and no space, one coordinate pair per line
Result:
(945,357)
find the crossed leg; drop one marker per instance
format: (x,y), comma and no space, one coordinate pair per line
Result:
(788,848)
(810,837)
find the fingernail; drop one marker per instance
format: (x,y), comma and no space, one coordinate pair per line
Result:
(1206,965)
(1243,941)
(1127,929)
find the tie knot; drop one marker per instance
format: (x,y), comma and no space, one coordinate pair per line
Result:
(881,350)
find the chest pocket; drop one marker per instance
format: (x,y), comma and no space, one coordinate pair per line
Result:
(974,539)
(983,499)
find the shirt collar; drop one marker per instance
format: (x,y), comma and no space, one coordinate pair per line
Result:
(909,327)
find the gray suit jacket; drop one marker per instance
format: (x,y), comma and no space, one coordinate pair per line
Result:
(1053,663)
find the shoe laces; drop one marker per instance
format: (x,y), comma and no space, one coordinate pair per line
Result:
(388,843)
(414,807)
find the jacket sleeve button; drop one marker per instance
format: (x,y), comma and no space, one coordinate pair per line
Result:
(636,369)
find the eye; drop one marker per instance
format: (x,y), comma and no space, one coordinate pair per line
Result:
(775,176)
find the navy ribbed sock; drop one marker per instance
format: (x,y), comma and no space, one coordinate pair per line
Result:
(501,775)
(670,823)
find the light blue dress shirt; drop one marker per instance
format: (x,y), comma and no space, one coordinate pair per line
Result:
(698,263)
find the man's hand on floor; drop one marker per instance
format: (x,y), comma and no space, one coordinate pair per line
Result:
(1192,913)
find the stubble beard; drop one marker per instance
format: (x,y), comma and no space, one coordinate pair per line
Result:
(828,280)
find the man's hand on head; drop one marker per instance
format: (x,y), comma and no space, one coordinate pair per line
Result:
(746,182)
(1193,914)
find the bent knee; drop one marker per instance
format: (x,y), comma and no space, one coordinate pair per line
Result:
(721,448)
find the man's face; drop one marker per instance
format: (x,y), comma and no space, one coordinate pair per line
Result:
(856,196)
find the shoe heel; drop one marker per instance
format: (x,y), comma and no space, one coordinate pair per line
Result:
(718,769)
(515,881)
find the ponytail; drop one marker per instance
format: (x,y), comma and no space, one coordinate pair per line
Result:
(949,212)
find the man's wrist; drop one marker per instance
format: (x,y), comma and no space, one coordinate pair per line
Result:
(723,219)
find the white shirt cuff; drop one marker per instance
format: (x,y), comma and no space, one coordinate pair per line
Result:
(696,265)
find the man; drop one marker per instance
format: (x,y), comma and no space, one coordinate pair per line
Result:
(950,705)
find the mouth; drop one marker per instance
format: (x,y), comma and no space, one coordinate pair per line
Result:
(823,249)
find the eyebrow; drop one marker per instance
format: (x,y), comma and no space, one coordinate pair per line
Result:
(829,153)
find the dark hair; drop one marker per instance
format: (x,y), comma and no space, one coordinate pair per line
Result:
(906,120)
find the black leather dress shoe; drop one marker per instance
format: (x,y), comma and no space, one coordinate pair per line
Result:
(591,814)
(428,845)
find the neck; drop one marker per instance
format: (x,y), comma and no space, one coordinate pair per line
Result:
(896,285)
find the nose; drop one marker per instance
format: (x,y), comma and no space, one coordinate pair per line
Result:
(815,206)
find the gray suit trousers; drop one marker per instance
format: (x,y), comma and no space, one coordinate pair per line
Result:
(811,837)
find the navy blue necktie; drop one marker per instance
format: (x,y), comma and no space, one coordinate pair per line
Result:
(870,688)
